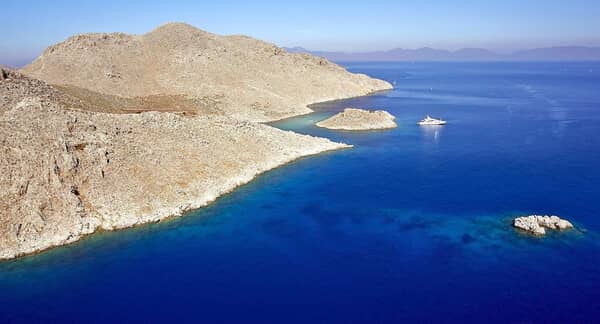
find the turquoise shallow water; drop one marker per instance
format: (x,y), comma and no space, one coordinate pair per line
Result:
(411,224)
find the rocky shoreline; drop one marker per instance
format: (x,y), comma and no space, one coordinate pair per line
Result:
(109,199)
(74,162)
(103,175)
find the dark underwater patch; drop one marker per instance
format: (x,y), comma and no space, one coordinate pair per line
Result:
(467,238)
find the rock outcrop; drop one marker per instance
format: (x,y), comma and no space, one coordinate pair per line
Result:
(5,70)
(237,76)
(537,225)
(359,119)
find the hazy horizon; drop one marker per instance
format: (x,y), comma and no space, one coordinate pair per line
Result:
(453,49)
(499,26)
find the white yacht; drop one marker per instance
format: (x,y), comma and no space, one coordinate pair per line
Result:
(428,120)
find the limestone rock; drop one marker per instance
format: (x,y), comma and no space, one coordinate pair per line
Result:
(359,119)
(537,225)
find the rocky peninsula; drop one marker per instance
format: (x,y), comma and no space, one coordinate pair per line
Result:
(107,131)
(537,225)
(359,119)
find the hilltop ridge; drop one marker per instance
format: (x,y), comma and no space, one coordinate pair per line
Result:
(244,77)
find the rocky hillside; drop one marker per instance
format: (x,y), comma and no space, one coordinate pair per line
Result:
(106,131)
(66,173)
(15,87)
(235,76)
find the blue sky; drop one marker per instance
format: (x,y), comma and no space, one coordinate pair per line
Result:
(28,27)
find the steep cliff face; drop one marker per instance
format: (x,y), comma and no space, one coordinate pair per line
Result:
(240,76)
(65,173)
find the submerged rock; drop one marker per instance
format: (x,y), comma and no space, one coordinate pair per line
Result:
(537,225)
(359,119)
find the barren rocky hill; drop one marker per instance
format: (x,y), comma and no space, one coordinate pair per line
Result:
(106,131)
(66,173)
(232,75)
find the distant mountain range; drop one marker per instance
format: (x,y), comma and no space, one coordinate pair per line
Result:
(564,53)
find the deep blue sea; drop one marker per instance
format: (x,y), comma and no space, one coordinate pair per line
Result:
(411,225)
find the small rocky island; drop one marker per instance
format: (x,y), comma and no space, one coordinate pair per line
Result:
(359,119)
(537,225)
